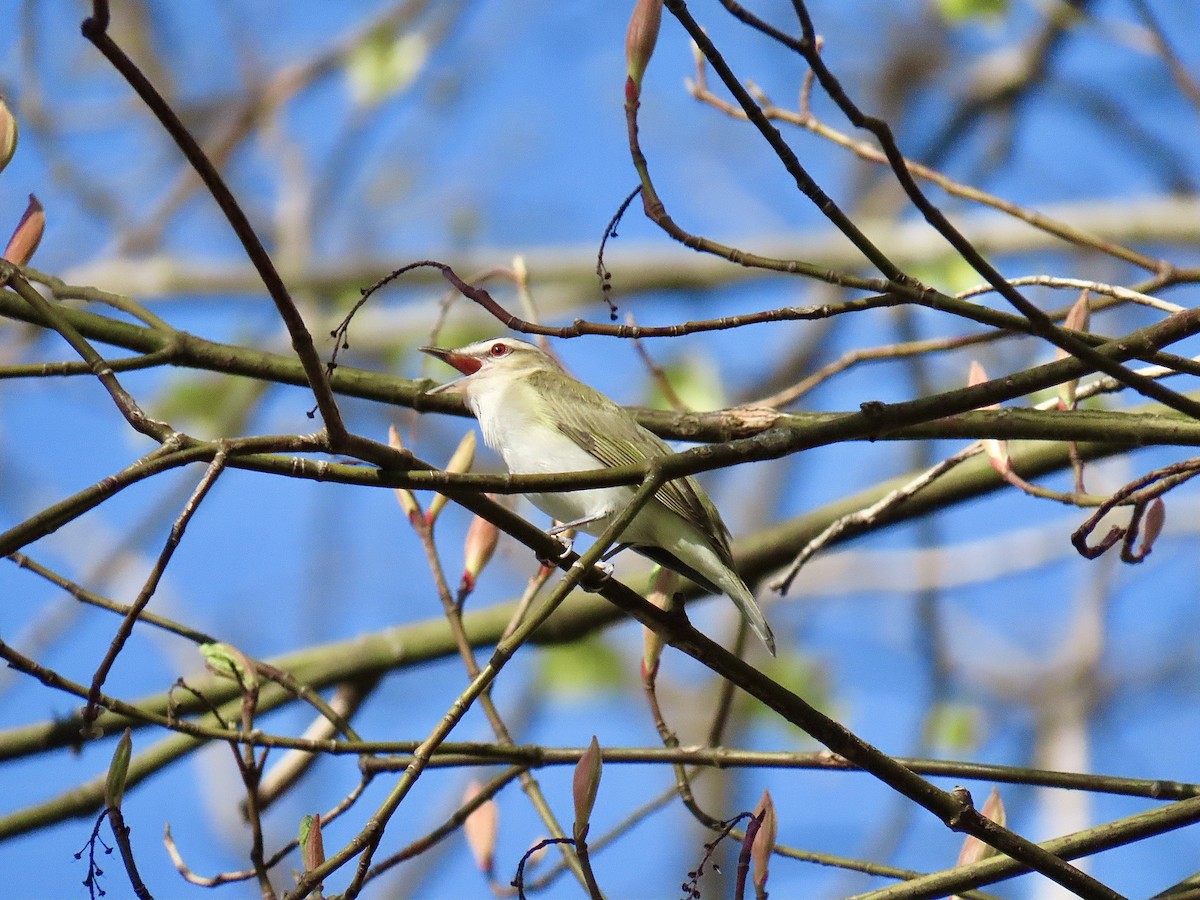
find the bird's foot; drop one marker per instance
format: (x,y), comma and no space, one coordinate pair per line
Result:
(595,578)
(566,543)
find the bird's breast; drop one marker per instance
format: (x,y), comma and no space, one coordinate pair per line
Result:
(515,425)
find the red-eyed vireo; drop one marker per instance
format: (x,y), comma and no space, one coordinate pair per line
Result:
(542,421)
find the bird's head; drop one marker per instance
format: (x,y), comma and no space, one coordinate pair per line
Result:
(486,361)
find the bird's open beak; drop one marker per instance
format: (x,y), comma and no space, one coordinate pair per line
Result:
(468,365)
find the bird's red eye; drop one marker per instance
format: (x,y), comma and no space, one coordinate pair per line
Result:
(498,350)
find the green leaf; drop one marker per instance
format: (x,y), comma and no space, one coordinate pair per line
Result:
(953,727)
(587,666)
(957,11)
(385,64)
(950,274)
(207,404)
(227,661)
(694,380)
(306,824)
(802,675)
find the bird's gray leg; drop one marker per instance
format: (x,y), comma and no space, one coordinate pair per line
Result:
(600,573)
(567,544)
(613,551)
(577,523)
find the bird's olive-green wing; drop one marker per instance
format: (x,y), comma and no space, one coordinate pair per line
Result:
(614,437)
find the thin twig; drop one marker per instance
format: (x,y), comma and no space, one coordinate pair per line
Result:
(95,30)
(1040,323)
(214,470)
(865,517)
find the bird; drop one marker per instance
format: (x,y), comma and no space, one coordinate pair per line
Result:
(541,420)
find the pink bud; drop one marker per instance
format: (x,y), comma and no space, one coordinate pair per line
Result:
(997,451)
(994,808)
(764,840)
(584,785)
(974,850)
(461,461)
(8,135)
(640,39)
(1077,320)
(312,843)
(408,503)
(480,829)
(660,595)
(478,548)
(976,376)
(1152,525)
(28,234)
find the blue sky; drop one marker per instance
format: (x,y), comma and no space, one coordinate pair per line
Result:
(511,139)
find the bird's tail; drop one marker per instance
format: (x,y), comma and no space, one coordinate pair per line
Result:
(701,563)
(728,581)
